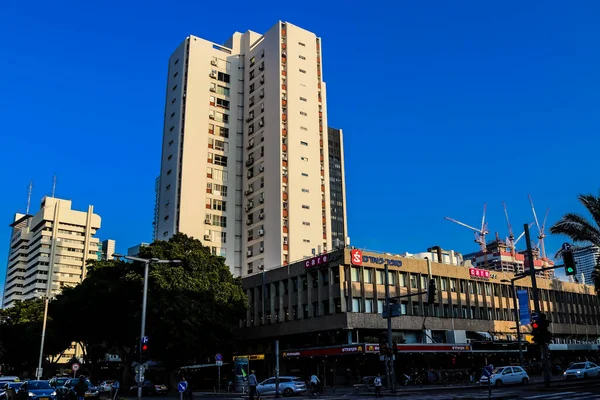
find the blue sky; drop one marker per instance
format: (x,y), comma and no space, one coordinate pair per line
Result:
(444,105)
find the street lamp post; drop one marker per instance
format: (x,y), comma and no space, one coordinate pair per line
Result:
(147,262)
(517,319)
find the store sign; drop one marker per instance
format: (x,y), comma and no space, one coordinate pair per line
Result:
(381,260)
(251,357)
(323,259)
(425,348)
(356,256)
(372,348)
(325,351)
(479,273)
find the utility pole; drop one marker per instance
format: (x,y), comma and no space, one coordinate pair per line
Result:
(276,369)
(389,357)
(536,304)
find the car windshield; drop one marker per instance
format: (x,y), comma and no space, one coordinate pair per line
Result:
(577,366)
(15,385)
(61,381)
(497,370)
(37,385)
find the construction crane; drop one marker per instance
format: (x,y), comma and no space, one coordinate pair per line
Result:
(541,233)
(510,241)
(479,233)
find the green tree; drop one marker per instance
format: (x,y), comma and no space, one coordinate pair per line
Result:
(20,333)
(193,307)
(580,229)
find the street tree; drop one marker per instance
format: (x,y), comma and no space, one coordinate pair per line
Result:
(193,307)
(581,229)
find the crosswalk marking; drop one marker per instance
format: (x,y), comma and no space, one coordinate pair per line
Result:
(563,395)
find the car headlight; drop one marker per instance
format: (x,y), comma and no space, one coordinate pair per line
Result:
(565,373)
(31,394)
(578,372)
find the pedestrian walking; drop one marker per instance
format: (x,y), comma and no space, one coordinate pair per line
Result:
(252,383)
(314,382)
(115,389)
(80,388)
(377,383)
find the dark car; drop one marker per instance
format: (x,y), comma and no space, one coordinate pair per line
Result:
(150,389)
(36,390)
(67,391)
(8,391)
(59,381)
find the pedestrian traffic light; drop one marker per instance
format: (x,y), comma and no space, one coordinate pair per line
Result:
(569,261)
(431,292)
(383,344)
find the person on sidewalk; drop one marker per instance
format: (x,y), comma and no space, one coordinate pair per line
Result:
(377,383)
(115,388)
(314,382)
(252,383)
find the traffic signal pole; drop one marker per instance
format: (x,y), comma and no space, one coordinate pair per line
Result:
(389,357)
(536,304)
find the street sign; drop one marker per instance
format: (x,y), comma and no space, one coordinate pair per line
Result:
(219,363)
(487,370)
(523,300)
(75,367)
(567,247)
(139,377)
(534,316)
(140,368)
(218,357)
(144,339)
(395,311)
(182,386)
(39,372)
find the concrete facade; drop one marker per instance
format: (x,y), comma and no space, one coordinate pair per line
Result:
(335,295)
(56,241)
(245,135)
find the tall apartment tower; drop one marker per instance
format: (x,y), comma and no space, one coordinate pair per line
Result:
(586,259)
(245,148)
(108,249)
(56,242)
(337,188)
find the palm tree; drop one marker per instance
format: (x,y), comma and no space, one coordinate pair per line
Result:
(581,229)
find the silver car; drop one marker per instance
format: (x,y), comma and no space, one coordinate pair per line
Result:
(288,386)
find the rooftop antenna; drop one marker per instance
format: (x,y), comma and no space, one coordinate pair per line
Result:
(29,191)
(479,233)
(53,185)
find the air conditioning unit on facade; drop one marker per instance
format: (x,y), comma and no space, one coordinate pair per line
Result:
(207,221)
(262,249)
(249,253)
(206,237)
(261,168)
(261,215)
(212,89)
(261,232)
(213,62)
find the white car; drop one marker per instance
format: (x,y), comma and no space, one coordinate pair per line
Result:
(506,376)
(582,370)
(106,386)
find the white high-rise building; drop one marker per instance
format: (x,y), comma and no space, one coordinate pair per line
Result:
(245,148)
(56,241)
(108,249)
(585,261)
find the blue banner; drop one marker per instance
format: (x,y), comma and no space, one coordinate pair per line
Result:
(524,315)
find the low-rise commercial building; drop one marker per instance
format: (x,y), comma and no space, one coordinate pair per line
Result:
(331,305)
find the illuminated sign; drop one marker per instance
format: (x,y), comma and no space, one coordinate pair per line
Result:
(251,357)
(316,261)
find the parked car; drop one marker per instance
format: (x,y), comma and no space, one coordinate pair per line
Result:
(8,391)
(7,378)
(67,391)
(105,386)
(288,386)
(36,390)
(582,370)
(506,376)
(150,389)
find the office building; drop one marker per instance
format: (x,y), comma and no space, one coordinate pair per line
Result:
(586,259)
(245,134)
(337,187)
(108,249)
(134,251)
(325,312)
(56,241)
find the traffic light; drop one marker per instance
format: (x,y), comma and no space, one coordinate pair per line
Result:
(539,330)
(431,292)
(570,265)
(144,348)
(383,345)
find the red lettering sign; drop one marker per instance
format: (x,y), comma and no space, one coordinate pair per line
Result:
(356,256)
(479,273)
